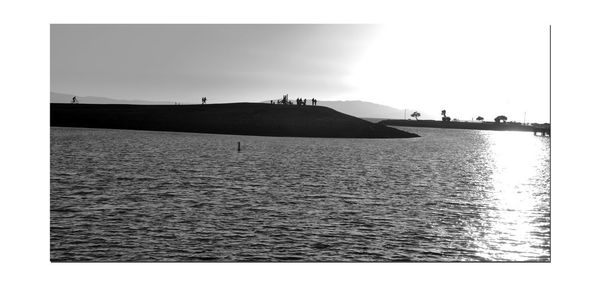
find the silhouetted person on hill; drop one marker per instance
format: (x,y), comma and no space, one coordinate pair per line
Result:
(74,100)
(304,102)
(203,100)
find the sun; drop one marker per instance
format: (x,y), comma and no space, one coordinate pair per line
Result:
(377,73)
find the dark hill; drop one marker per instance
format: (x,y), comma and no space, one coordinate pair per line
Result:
(239,118)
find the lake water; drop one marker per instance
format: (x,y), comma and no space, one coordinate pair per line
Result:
(451,195)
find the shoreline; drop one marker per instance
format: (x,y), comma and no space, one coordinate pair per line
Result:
(485,126)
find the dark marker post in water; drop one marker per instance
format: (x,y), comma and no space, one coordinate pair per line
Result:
(239,147)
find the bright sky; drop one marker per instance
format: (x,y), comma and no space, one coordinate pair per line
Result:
(469,70)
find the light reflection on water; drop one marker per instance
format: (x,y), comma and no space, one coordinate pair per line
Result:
(521,206)
(451,195)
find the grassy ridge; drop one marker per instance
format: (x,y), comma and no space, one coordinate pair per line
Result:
(239,118)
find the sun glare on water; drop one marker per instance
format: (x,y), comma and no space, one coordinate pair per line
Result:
(516,171)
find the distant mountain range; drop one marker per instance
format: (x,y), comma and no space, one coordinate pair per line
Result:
(368,110)
(364,109)
(355,108)
(66,98)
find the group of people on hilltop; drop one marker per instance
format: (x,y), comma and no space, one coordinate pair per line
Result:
(299,101)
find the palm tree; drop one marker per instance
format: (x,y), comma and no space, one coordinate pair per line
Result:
(501,119)
(479,118)
(416,115)
(445,118)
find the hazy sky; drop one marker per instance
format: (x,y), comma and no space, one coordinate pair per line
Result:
(468,70)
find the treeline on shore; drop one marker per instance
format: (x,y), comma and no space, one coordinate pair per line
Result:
(495,126)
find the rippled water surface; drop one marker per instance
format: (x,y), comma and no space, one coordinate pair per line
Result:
(451,195)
